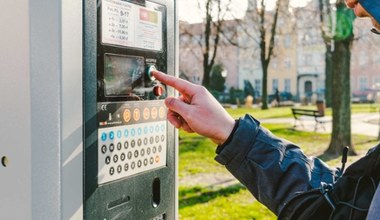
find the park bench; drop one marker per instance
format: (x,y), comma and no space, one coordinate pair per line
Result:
(318,115)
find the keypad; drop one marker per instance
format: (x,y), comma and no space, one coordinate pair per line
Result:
(131,149)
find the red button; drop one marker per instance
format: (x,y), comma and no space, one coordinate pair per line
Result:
(158,90)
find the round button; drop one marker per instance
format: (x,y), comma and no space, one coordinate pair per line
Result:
(154,113)
(139,142)
(126,133)
(112,147)
(126,145)
(126,166)
(161,112)
(112,135)
(119,169)
(148,150)
(139,163)
(133,143)
(145,141)
(118,134)
(122,157)
(146,113)
(133,165)
(145,162)
(118,146)
(149,70)
(159,148)
(136,114)
(129,155)
(127,115)
(162,138)
(112,171)
(158,90)
(104,136)
(104,149)
(115,158)
(142,152)
(108,160)
(136,153)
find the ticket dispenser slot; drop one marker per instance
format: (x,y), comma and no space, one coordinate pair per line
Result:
(129,170)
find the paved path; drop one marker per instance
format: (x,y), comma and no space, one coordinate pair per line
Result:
(362,123)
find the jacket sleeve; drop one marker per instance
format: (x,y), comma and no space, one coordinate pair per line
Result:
(274,170)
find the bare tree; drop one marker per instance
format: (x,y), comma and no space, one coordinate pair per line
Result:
(265,22)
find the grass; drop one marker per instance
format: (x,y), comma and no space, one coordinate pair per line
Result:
(201,199)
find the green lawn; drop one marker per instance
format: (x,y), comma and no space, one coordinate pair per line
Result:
(201,199)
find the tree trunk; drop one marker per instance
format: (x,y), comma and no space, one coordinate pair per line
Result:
(264,96)
(328,75)
(341,100)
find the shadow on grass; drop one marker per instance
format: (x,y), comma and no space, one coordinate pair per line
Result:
(197,195)
(328,156)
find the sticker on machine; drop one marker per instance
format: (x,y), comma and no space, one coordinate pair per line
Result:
(130,25)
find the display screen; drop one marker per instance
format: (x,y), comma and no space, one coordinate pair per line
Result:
(122,74)
(131,25)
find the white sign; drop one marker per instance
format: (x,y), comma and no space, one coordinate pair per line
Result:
(130,25)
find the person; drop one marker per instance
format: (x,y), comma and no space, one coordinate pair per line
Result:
(277,97)
(273,169)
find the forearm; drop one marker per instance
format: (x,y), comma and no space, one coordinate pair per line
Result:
(271,168)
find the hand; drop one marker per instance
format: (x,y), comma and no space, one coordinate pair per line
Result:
(196,110)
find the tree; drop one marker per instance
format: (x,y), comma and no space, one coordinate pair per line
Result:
(217,79)
(339,43)
(214,32)
(266,24)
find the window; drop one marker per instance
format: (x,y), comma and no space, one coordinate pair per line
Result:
(274,84)
(288,41)
(288,63)
(363,83)
(258,86)
(287,85)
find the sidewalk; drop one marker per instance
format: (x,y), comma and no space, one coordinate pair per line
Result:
(362,123)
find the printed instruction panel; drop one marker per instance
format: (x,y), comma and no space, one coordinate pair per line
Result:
(131,25)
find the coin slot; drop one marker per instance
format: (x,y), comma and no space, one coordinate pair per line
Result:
(123,200)
(156,192)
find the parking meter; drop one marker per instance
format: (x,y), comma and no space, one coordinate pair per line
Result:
(130,153)
(84,133)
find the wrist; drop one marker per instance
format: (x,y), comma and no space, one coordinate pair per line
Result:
(229,135)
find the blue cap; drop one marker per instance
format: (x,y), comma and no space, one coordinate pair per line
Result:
(373,7)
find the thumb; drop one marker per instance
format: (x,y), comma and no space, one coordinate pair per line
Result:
(176,105)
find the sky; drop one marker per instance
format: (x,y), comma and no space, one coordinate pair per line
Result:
(189,11)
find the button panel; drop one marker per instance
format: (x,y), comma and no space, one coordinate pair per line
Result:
(142,147)
(132,138)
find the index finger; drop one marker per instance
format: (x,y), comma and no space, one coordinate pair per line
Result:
(183,86)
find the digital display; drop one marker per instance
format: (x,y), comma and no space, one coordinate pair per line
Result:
(122,74)
(131,25)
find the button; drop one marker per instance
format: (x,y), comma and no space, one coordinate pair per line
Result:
(154,149)
(104,136)
(108,160)
(136,114)
(118,134)
(129,155)
(112,147)
(127,115)
(159,148)
(162,138)
(136,154)
(142,152)
(157,159)
(157,139)
(146,129)
(145,162)
(139,142)
(119,169)
(149,70)
(112,135)
(126,133)
(126,166)
(148,150)
(126,145)
(154,113)
(145,141)
(122,157)
(158,90)
(151,140)
(146,113)
(112,171)
(139,163)
(118,146)
(133,132)
(115,158)
(133,143)
(161,112)
(133,165)
(151,160)
(104,149)
(139,131)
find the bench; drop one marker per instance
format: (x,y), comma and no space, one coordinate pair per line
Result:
(317,115)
